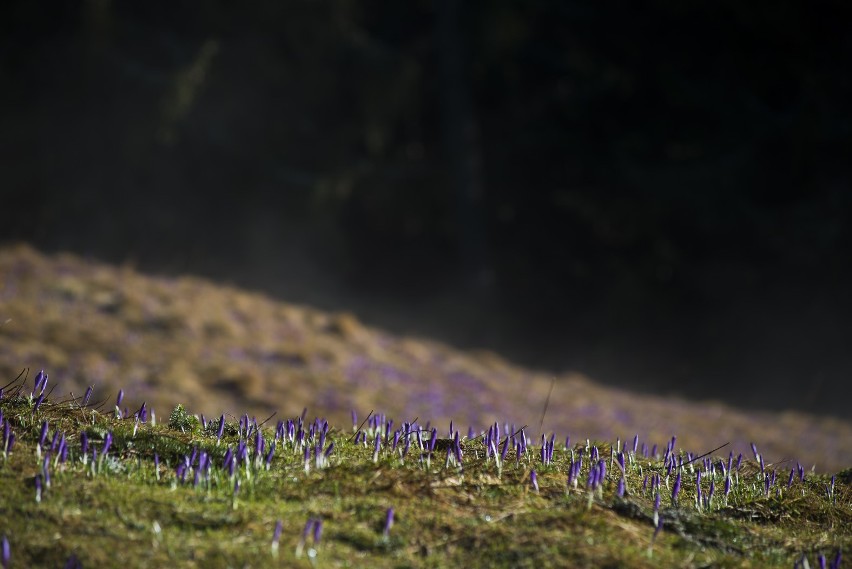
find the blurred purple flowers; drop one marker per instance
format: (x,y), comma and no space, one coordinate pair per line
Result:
(388,523)
(312,527)
(6,555)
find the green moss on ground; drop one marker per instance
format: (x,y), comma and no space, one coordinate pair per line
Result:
(122,511)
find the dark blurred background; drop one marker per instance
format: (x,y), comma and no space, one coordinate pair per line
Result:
(655,194)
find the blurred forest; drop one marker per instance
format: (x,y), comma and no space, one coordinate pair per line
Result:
(656,194)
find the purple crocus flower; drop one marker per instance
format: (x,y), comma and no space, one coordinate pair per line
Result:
(620,490)
(258,443)
(119,398)
(38,402)
(837,558)
(388,523)
(43,434)
(329,450)
(698,487)
(534,480)
(276,534)
(310,524)
(40,383)
(592,481)
(87,395)
(457,448)
(377,446)
(676,489)
(7,553)
(317,531)
(790,480)
(221,428)
(821,561)
(107,443)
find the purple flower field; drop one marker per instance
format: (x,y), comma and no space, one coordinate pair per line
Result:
(186,340)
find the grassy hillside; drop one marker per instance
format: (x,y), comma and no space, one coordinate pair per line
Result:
(221,349)
(119,475)
(85,484)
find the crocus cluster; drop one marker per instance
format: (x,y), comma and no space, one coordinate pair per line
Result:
(252,450)
(547,449)
(313,528)
(802,562)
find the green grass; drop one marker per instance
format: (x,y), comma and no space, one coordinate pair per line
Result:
(121,512)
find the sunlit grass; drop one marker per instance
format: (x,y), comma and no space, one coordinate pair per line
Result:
(187,491)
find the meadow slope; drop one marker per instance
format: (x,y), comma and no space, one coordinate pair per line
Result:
(218,349)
